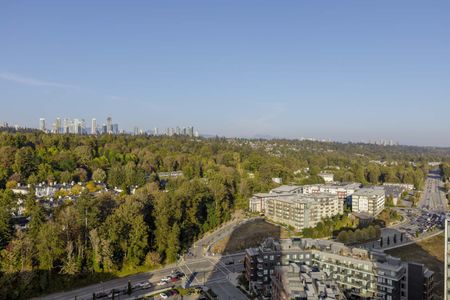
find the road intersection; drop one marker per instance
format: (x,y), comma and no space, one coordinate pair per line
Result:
(207,270)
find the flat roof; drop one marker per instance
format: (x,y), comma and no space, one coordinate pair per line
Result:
(285,188)
(369,192)
(304,198)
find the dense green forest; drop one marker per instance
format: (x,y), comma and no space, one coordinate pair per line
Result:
(98,233)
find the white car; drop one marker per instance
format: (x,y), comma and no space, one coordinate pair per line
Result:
(161,282)
(142,285)
(164,295)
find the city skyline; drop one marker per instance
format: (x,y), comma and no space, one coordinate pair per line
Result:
(350,71)
(103,128)
(79,126)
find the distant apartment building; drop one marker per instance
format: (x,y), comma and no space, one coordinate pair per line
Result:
(109,125)
(42,126)
(302,211)
(406,186)
(94,126)
(327,177)
(58,125)
(394,191)
(358,273)
(368,200)
(299,281)
(115,128)
(190,131)
(257,202)
(342,190)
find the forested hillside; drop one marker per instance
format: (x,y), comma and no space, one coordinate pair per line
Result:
(121,216)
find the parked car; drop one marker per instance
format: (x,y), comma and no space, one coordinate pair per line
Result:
(161,282)
(178,274)
(142,285)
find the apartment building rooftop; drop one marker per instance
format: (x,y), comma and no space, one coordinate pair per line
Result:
(347,185)
(369,192)
(304,198)
(325,246)
(369,271)
(301,281)
(266,195)
(285,189)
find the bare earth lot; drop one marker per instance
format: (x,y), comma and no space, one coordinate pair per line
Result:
(249,235)
(429,252)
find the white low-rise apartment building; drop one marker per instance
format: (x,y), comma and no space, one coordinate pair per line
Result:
(258,202)
(368,200)
(343,190)
(302,211)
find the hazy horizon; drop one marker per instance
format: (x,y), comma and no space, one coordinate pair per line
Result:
(346,71)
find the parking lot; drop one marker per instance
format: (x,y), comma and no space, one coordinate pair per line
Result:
(418,224)
(421,222)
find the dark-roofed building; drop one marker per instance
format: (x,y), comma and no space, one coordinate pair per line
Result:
(359,273)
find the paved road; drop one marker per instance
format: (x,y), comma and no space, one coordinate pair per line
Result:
(426,219)
(208,270)
(433,198)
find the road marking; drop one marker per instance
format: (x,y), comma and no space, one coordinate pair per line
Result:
(195,277)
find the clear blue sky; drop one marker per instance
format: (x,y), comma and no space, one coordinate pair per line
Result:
(345,70)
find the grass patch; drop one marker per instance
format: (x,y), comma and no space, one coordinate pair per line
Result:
(429,252)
